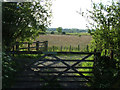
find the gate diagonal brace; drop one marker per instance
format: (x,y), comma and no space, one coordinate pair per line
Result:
(81,60)
(57,59)
(41,58)
(73,67)
(59,75)
(46,66)
(68,68)
(81,74)
(37,61)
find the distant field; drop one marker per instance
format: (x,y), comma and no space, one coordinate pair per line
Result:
(65,40)
(78,34)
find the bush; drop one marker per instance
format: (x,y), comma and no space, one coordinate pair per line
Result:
(52,32)
(63,32)
(8,70)
(104,71)
(79,35)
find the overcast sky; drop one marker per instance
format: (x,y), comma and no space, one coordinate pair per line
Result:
(65,13)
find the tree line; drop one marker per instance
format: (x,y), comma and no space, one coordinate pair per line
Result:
(67,30)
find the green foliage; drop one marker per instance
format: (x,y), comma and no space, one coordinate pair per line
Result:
(70,30)
(106,27)
(79,35)
(8,70)
(24,20)
(59,29)
(104,71)
(52,32)
(64,33)
(105,32)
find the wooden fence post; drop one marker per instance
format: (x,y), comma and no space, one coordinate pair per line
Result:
(64,48)
(53,48)
(17,46)
(78,47)
(37,45)
(61,48)
(70,48)
(87,48)
(46,45)
(28,46)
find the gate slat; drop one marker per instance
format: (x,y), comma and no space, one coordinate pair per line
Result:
(64,72)
(63,67)
(68,60)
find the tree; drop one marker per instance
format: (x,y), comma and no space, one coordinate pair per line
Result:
(52,32)
(59,29)
(25,20)
(106,27)
(63,32)
(106,36)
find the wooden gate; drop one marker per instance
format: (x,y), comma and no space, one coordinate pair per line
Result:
(51,68)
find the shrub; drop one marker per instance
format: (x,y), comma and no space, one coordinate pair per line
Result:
(52,32)
(63,32)
(79,35)
(8,70)
(104,71)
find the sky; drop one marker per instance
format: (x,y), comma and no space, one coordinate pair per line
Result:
(65,14)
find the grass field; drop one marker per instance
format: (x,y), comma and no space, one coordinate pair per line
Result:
(65,40)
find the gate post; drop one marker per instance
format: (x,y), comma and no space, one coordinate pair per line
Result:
(17,46)
(37,45)
(96,55)
(94,64)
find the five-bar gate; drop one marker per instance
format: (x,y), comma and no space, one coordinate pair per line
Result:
(51,68)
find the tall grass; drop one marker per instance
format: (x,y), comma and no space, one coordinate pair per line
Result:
(68,49)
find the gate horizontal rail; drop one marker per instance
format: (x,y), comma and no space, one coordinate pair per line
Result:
(30,76)
(48,53)
(65,67)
